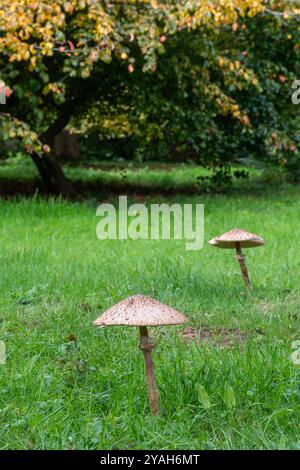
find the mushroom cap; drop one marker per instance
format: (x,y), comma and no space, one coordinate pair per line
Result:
(229,239)
(140,310)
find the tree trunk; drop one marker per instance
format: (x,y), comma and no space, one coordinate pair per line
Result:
(48,166)
(53,176)
(65,145)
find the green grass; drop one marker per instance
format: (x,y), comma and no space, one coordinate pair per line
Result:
(114,177)
(56,277)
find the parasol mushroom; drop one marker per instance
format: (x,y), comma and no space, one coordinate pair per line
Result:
(142,311)
(238,239)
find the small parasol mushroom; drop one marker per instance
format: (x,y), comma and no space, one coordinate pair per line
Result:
(238,239)
(142,311)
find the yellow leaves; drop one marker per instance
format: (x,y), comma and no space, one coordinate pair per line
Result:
(154,4)
(26,55)
(32,63)
(24,34)
(82,4)
(15,58)
(255,7)
(32,30)
(46,48)
(221,61)
(225,104)
(236,74)
(117,125)
(12,134)
(56,88)
(44,24)
(12,127)
(219,12)
(85,73)
(68,7)
(32,136)
(32,49)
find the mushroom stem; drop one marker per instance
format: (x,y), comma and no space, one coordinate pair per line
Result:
(241,260)
(146,346)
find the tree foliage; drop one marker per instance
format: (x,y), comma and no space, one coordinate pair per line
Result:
(223,95)
(60,58)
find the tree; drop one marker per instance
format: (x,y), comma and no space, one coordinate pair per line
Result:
(215,97)
(223,95)
(58,57)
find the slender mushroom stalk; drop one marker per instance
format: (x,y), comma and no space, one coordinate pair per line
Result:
(241,259)
(143,311)
(238,239)
(146,346)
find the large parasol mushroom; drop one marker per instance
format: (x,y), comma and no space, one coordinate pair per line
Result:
(238,239)
(142,311)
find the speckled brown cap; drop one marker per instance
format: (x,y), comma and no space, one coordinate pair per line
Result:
(229,239)
(140,310)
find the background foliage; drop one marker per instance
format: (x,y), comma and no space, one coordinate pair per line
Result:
(208,81)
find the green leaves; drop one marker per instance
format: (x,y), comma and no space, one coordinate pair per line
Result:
(229,397)
(203,397)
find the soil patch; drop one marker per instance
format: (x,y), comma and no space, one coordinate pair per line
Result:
(224,338)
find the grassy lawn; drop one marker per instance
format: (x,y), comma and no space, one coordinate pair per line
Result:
(101,178)
(69,385)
